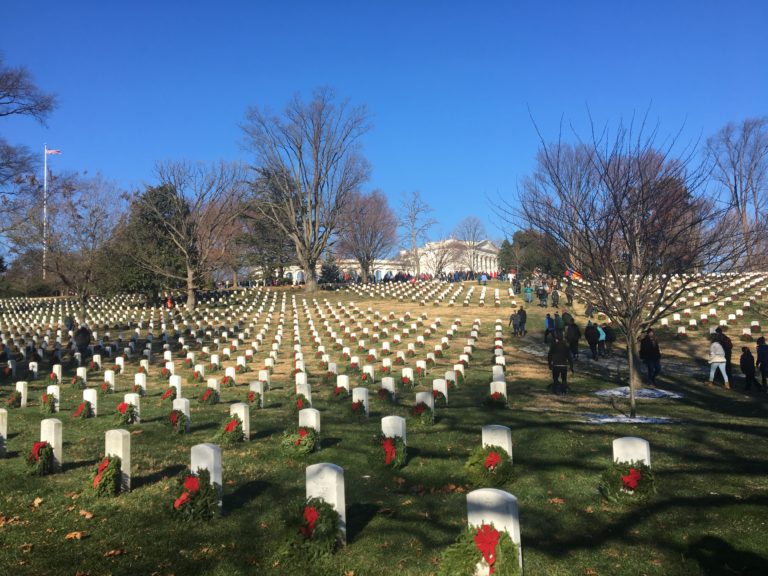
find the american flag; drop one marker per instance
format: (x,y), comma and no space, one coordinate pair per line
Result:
(53,151)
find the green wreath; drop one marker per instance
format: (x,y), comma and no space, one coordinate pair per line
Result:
(78,383)
(620,484)
(424,415)
(209,397)
(315,525)
(488,466)
(47,403)
(253,399)
(388,452)
(340,394)
(303,441)
(497,400)
(199,499)
(462,557)
(84,410)
(299,403)
(13,400)
(106,479)
(231,433)
(178,421)
(40,459)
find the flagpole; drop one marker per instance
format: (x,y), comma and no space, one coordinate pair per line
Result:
(45,205)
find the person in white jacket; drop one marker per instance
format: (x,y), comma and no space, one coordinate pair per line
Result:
(717,362)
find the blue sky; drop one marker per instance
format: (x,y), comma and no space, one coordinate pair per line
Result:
(451,86)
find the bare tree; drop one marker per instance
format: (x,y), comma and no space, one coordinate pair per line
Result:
(643,224)
(193,209)
(308,165)
(368,231)
(415,223)
(81,215)
(739,155)
(19,96)
(471,232)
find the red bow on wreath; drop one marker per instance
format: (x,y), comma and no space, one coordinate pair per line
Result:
(631,480)
(389,450)
(486,540)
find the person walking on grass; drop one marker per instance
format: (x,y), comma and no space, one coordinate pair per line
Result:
(549,327)
(650,355)
(592,336)
(572,336)
(717,362)
(514,321)
(727,345)
(762,361)
(600,341)
(523,318)
(559,359)
(747,365)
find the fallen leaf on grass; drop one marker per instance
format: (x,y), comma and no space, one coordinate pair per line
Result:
(591,572)
(36,502)
(136,432)
(590,510)
(116,552)
(558,501)
(26,547)
(74,536)
(85,514)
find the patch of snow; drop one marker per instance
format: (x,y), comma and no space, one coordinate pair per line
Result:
(623,392)
(611,419)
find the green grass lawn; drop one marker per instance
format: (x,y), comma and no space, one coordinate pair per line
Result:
(710,515)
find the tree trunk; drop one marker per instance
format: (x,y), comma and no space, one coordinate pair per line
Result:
(83,301)
(634,375)
(191,300)
(366,269)
(310,282)
(234,278)
(415,250)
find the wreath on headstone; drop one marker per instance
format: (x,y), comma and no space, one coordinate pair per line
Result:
(488,466)
(254,399)
(84,410)
(196,376)
(209,397)
(126,413)
(424,414)
(199,499)
(299,403)
(227,382)
(78,383)
(231,433)
(315,525)
(386,395)
(178,421)
(47,403)
(440,399)
(626,482)
(13,400)
(389,452)
(303,441)
(137,389)
(106,479)
(40,459)
(340,393)
(169,394)
(495,400)
(106,388)
(358,410)
(480,550)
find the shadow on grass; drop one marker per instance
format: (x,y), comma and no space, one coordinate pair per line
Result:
(717,557)
(166,472)
(207,426)
(265,433)
(67,466)
(358,517)
(244,494)
(329,442)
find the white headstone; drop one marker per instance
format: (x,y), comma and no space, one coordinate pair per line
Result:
(182,404)
(140,379)
(427,398)
(495,435)
(230,372)
(498,374)
(54,390)
(92,396)
(23,389)
(57,370)
(242,411)
(305,390)
(51,432)
(208,457)
(175,382)
(394,426)
(109,376)
(342,381)
(259,388)
(388,383)
(326,481)
(118,443)
(500,387)
(493,506)
(631,449)
(82,372)
(441,386)
(360,394)
(135,401)
(309,418)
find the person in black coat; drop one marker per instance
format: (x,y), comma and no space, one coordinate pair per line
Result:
(747,365)
(559,359)
(572,337)
(651,355)
(591,335)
